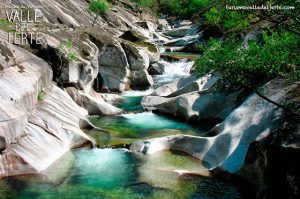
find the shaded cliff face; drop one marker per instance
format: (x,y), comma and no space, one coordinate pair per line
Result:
(272,165)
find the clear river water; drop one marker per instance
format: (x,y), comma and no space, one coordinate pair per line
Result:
(118,173)
(106,172)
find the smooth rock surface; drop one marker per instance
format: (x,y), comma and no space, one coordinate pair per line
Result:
(38,122)
(186,85)
(92,102)
(183,30)
(140,79)
(253,120)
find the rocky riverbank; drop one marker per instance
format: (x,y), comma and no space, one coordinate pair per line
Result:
(48,92)
(38,116)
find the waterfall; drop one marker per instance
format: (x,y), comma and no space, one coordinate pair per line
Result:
(178,68)
(172,71)
(164,49)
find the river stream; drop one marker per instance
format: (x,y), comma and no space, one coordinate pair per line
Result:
(117,173)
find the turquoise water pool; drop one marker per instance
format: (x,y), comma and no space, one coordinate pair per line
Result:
(127,128)
(118,173)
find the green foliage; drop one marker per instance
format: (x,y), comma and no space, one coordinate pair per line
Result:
(6,26)
(72,57)
(67,46)
(277,57)
(98,7)
(235,21)
(66,43)
(41,96)
(183,8)
(213,16)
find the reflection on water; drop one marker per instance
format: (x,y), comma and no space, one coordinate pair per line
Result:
(117,173)
(127,128)
(130,103)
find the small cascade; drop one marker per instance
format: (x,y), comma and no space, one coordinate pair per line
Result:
(164,49)
(172,71)
(179,68)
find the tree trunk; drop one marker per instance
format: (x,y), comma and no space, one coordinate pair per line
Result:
(95,20)
(273,102)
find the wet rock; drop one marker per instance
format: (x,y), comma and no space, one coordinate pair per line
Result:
(163,24)
(183,31)
(157,68)
(184,41)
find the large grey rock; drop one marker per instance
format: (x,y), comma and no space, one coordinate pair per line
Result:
(199,106)
(163,24)
(137,57)
(12,122)
(182,31)
(33,75)
(273,162)
(172,87)
(192,98)
(92,102)
(85,70)
(113,56)
(141,41)
(38,121)
(184,41)
(148,25)
(178,32)
(157,68)
(200,84)
(107,97)
(54,124)
(114,78)
(76,63)
(150,102)
(120,57)
(253,120)
(140,79)
(113,63)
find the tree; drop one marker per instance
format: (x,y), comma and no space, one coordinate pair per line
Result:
(98,7)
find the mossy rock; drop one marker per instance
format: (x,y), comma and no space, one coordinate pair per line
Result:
(6,26)
(139,40)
